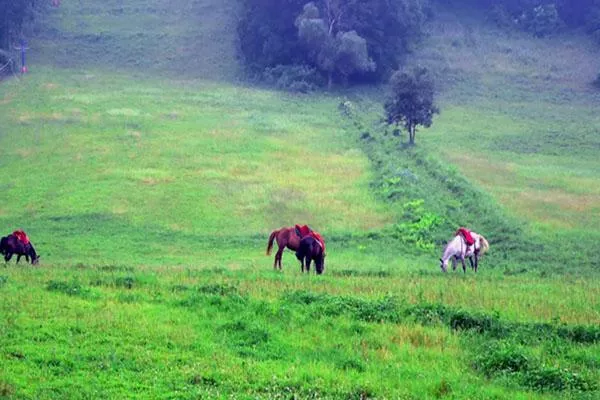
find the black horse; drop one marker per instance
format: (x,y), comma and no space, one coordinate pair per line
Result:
(10,245)
(310,249)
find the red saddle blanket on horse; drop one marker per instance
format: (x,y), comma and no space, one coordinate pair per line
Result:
(22,236)
(304,230)
(465,233)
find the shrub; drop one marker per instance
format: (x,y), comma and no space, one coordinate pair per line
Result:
(557,379)
(72,288)
(219,289)
(294,78)
(418,225)
(126,282)
(542,20)
(505,358)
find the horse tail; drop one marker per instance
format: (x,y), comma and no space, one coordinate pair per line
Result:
(271,239)
(485,246)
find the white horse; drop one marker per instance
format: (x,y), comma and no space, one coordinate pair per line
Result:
(457,249)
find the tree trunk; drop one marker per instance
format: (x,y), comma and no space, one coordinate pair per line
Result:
(411,135)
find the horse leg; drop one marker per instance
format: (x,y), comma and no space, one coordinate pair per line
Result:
(278,257)
(464,265)
(19,257)
(471,262)
(476,262)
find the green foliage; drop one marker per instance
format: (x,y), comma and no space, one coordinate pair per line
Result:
(506,358)
(541,20)
(503,358)
(418,225)
(70,288)
(557,379)
(344,53)
(337,37)
(293,78)
(410,101)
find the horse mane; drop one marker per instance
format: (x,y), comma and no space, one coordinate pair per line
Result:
(485,246)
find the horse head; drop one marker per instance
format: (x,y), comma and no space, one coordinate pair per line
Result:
(444,265)
(320,260)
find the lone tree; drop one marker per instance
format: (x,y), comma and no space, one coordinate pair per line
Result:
(410,101)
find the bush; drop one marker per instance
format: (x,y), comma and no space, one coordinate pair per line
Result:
(418,225)
(294,78)
(505,358)
(542,20)
(557,379)
(72,288)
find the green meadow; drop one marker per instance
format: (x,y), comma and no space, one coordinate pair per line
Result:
(150,197)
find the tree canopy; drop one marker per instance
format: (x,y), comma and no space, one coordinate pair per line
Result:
(410,100)
(344,40)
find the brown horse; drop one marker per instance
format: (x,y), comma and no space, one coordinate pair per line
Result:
(286,237)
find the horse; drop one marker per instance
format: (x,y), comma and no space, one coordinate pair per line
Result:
(457,249)
(311,249)
(285,237)
(10,245)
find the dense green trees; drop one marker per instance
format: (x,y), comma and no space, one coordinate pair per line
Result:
(343,40)
(542,17)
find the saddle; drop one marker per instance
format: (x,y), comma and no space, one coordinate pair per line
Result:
(22,236)
(466,234)
(304,230)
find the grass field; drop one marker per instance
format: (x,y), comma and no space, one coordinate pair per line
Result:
(150,198)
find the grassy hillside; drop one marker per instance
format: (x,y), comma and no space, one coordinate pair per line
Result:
(520,118)
(191,38)
(150,198)
(98,161)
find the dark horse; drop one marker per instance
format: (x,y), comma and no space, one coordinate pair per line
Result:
(10,245)
(285,237)
(310,249)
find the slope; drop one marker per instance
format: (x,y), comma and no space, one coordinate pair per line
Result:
(185,38)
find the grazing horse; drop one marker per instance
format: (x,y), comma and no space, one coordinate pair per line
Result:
(285,237)
(458,249)
(10,245)
(311,249)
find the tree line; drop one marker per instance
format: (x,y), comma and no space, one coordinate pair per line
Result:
(299,44)
(322,42)
(541,17)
